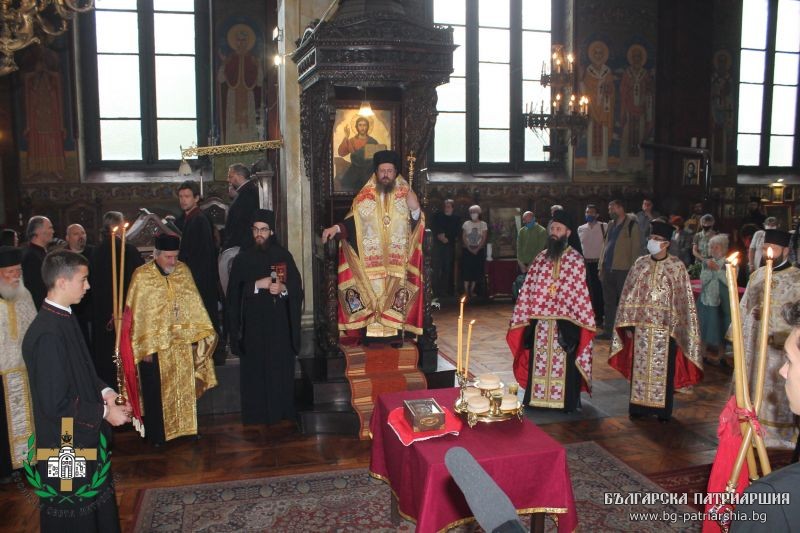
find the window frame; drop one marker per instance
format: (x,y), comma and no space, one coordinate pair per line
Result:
(763,166)
(88,90)
(517,162)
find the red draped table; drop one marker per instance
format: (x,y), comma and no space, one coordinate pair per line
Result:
(500,276)
(527,464)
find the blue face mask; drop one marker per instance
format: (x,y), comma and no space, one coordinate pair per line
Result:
(531,224)
(590,218)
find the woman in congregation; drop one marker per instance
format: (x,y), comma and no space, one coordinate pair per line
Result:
(473,254)
(713,307)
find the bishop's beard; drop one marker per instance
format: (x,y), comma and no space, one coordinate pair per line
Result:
(10,292)
(385,188)
(556,247)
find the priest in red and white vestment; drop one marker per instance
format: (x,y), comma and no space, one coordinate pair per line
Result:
(553,325)
(656,340)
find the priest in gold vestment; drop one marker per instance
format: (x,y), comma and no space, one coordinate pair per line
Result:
(380,255)
(16,314)
(172,341)
(656,340)
(775,416)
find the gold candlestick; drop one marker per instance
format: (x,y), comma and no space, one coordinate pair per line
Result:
(460,334)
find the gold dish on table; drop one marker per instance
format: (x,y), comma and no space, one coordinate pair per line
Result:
(494,413)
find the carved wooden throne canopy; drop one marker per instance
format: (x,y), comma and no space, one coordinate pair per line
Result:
(389,47)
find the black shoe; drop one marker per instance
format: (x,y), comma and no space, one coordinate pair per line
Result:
(635,416)
(664,419)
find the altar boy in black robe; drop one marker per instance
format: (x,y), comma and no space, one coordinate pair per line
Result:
(64,384)
(265,296)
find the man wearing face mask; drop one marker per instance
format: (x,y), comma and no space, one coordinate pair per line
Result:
(553,325)
(380,255)
(754,255)
(168,333)
(656,340)
(775,416)
(591,236)
(531,239)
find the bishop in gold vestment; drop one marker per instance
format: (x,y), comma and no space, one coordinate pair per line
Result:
(380,255)
(172,341)
(16,314)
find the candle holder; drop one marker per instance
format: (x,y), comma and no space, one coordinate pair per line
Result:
(461,404)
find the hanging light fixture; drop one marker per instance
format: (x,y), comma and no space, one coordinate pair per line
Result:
(366,109)
(23,22)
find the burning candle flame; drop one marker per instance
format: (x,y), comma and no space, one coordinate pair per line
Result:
(769,252)
(114,229)
(733,258)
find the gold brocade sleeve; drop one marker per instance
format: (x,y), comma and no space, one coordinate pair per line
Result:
(167,311)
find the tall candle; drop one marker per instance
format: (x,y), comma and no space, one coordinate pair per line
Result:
(120,301)
(763,335)
(460,333)
(469,345)
(114,274)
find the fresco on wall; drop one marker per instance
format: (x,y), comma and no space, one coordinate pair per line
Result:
(44,118)
(240,62)
(616,56)
(727,33)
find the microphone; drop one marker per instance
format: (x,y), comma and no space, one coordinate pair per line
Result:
(489,504)
(274,276)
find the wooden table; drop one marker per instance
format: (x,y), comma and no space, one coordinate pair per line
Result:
(527,464)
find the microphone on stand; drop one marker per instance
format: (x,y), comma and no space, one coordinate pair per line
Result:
(489,504)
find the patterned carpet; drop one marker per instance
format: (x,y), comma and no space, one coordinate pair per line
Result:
(351,501)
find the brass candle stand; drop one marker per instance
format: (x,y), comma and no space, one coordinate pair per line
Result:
(495,397)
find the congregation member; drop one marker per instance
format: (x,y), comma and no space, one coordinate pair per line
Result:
(784,481)
(592,234)
(531,239)
(681,243)
(552,326)
(656,340)
(775,416)
(474,234)
(39,233)
(103,333)
(754,213)
(447,229)
(713,305)
(64,385)
(76,242)
(754,255)
(644,218)
(701,239)
(380,255)
(237,223)
(265,298)
(16,314)
(621,248)
(171,339)
(199,252)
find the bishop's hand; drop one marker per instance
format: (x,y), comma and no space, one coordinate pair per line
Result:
(330,233)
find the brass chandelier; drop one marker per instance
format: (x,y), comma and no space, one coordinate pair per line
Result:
(23,21)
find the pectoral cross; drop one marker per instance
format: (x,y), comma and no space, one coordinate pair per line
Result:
(553,289)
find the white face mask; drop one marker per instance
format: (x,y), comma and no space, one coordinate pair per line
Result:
(653,246)
(473,216)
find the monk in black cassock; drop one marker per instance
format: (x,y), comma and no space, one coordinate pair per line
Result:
(64,385)
(265,295)
(100,280)
(198,250)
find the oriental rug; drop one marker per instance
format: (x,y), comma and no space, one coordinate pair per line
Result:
(377,369)
(352,501)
